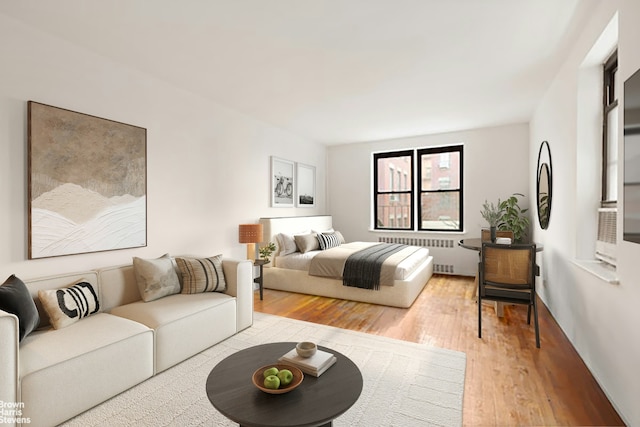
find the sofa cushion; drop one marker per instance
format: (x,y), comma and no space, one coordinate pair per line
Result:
(16,299)
(201,274)
(48,347)
(156,278)
(67,371)
(184,324)
(170,309)
(68,305)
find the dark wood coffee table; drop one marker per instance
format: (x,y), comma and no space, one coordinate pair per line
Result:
(316,402)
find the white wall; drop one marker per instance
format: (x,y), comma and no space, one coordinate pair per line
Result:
(600,319)
(495,164)
(207,166)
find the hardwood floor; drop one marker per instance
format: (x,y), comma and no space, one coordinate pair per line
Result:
(508,380)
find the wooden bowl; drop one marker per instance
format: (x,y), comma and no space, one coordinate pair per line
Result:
(258,378)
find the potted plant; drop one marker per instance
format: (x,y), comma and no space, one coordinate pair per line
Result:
(513,218)
(266,251)
(492,214)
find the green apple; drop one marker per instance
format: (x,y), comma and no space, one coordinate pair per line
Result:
(286,376)
(270,371)
(272,381)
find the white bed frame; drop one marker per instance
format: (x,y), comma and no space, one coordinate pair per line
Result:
(402,294)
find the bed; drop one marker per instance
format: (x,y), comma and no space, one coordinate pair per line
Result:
(289,271)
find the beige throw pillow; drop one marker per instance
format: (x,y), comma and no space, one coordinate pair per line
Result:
(201,274)
(156,278)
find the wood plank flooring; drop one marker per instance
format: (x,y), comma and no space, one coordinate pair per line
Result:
(508,380)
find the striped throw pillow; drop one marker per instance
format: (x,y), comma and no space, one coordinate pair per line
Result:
(328,241)
(201,274)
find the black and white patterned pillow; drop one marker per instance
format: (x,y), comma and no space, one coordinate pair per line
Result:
(68,305)
(328,240)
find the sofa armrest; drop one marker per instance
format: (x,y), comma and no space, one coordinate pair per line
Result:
(9,380)
(239,278)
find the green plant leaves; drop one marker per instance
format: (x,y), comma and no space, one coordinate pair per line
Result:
(513,218)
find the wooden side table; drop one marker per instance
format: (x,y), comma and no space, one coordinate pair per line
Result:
(260,263)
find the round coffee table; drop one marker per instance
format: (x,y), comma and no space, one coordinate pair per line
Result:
(316,402)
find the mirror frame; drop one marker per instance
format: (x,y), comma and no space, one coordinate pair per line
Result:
(547,168)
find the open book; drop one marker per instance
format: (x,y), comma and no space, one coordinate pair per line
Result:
(314,365)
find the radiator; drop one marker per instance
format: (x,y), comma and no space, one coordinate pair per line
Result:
(413,241)
(606,243)
(436,244)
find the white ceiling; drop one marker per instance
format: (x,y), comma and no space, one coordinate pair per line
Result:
(335,71)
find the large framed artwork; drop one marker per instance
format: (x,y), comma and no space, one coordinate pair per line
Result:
(282,182)
(87,183)
(306,181)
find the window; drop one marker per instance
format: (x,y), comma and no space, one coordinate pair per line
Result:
(444,160)
(436,190)
(440,207)
(610,133)
(393,199)
(607,214)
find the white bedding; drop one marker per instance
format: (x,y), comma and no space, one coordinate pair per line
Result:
(295,277)
(301,261)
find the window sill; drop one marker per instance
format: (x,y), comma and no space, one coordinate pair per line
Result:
(599,269)
(373,230)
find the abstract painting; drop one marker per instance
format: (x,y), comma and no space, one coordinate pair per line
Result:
(87,183)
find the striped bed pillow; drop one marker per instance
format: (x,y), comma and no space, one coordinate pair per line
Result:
(201,274)
(329,240)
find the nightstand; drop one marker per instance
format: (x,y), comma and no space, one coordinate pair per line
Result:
(260,263)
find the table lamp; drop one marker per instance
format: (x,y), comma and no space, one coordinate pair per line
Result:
(252,235)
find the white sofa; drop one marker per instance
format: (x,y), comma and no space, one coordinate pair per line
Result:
(55,374)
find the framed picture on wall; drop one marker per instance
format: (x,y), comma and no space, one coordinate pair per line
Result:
(87,183)
(282,183)
(306,181)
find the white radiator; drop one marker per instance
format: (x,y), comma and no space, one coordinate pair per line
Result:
(414,241)
(437,247)
(606,242)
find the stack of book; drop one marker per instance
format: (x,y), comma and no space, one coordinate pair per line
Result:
(314,365)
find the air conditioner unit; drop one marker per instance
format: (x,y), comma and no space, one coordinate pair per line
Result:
(606,242)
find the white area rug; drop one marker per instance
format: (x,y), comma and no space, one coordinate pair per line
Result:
(405,384)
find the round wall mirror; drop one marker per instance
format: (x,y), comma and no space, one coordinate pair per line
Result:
(543,185)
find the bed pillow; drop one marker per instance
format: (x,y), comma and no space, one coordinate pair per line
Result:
(16,299)
(330,231)
(156,278)
(307,242)
(68,305)
(328,241)
(286,243)
(201,275)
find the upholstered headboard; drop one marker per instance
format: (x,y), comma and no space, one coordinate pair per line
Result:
(293,225)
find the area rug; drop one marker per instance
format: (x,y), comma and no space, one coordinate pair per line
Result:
(405,384)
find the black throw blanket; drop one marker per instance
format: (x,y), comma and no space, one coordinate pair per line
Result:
(362,269)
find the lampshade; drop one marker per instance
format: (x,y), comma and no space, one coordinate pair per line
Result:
(250,233)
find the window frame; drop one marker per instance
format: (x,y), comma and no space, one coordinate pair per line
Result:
(609,103)
(414,190)
(448,149)
(394,195)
